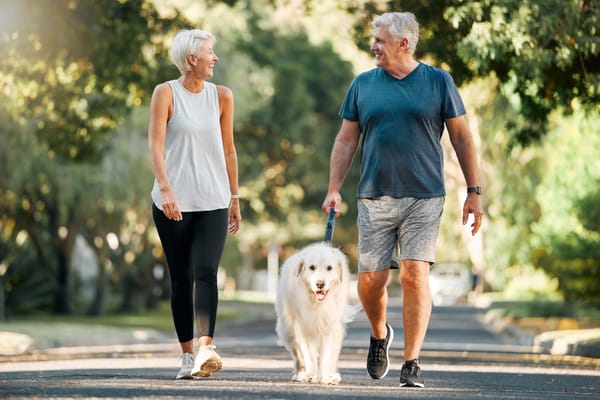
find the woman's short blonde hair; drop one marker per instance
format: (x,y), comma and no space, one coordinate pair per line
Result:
(186,42)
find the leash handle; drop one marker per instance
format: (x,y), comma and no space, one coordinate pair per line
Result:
(330,227)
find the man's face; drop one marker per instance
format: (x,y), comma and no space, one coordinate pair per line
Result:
(384,47)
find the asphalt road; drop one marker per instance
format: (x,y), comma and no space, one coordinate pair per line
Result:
(462,359)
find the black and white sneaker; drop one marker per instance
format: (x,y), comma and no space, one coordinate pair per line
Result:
(378,360)
(411,375)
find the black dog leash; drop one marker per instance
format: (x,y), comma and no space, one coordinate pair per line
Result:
(329,228)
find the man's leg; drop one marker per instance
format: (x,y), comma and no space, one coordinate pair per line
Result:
(418,236)
(373,295)
(416,310)
(377,238)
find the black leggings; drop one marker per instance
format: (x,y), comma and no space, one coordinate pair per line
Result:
(193,249)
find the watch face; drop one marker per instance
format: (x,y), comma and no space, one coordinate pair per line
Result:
(476,189)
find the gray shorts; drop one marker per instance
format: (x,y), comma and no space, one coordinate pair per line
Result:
(387,225)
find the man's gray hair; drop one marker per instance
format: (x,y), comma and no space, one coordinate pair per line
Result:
(401,25)
(188,42)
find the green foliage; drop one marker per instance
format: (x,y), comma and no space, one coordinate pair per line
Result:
(575,258)
(546,52)
(73,69)
(566,242)
(588,210)
(296,128)
(119,209)
(544,309)
(575,261)
(26,286)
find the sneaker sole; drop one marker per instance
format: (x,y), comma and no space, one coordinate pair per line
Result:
(208,368)
(411,384)
(180,377)
(387,356)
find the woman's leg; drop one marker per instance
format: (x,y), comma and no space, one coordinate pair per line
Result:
(176,239)
(210,232)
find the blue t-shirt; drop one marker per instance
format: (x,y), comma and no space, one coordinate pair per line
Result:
(402,122)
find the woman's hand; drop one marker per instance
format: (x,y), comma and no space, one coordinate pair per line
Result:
(169,205)
(235,217)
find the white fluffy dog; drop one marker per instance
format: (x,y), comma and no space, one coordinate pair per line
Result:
(312,311)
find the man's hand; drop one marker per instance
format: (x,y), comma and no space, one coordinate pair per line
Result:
(473,206)
(332,200)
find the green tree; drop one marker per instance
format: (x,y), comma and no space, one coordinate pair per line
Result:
(123,233)
(295,131)
(24,286)
(71,71)
(566,238)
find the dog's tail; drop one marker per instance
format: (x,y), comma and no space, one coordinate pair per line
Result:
(351,311)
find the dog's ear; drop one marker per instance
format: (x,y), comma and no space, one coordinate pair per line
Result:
(342,267)
(341,271)
(300,266)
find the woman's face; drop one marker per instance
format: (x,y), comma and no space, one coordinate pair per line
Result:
(204,60)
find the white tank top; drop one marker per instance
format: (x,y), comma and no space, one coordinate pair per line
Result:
(194,156)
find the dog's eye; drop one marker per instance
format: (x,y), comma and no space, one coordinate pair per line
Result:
(329,268)
(312,267)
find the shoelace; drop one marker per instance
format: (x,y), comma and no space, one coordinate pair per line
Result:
(208,347)
(379,351)
(187,358)
(412,367)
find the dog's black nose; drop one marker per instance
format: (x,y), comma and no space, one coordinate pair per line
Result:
(320,284)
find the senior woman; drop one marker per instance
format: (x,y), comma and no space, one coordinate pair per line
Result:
(195,198)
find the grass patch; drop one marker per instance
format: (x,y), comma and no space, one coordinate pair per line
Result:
(159,319)
(248,296)
(545,309)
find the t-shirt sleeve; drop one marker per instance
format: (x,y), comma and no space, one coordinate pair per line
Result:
(349,108)
(452,105)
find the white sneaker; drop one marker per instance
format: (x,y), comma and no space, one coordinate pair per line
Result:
(207,362)
(187,364)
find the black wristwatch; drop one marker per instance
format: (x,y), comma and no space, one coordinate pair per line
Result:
(475,189)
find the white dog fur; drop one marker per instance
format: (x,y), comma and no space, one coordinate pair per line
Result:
(312,311)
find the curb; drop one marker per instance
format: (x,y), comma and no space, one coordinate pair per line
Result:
(23,347)
(82,352)
(503,326)
(574,342)
(581,342)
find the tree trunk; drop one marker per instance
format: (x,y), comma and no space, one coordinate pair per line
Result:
(64,252)
(98,306)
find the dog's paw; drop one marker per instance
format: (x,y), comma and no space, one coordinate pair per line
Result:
(304,377)
(301,376)
(332,379)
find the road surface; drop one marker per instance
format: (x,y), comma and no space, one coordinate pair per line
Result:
(462,359)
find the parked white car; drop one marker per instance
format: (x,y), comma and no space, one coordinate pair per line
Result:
(450,283)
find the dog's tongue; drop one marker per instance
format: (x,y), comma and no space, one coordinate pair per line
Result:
(320,295)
